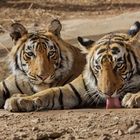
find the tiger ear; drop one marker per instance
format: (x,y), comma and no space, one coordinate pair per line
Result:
(134,29)
(17,31)
(55,27)
(85,44)
(134,33)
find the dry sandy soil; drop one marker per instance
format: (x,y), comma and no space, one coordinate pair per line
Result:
(88,124)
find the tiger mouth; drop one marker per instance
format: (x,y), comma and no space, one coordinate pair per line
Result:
(113,102)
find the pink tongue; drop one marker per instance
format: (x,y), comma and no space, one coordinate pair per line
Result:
(113,103)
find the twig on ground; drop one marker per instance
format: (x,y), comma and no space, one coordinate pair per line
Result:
(31,5)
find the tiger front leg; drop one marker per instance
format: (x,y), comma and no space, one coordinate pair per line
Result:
(131,100)
(55,98)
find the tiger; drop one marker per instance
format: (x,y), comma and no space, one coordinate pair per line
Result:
(40,59)
(110,76)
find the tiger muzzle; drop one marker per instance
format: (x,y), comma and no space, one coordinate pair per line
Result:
(109,81)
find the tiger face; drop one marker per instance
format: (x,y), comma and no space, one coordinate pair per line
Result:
(41,58)
(111,64)
(38,55)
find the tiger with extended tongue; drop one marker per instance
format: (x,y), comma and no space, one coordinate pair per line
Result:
(112,70)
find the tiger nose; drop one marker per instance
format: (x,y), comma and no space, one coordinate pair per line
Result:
(108,94)
(43,77)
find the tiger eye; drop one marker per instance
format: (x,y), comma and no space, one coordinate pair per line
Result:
(30,53)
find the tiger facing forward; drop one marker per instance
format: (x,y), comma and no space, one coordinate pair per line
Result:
(112,72)
(40,60)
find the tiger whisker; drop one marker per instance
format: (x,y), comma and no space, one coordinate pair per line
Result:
(94,99)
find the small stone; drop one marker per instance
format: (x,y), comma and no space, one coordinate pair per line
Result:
(15,137)
(35,128)
(42,136)
(116,118)
(120,132)
(55,135)
(105,137)
(69,137)
(115,131)
(107,114)
(37,120)
(133,128)
(23,135)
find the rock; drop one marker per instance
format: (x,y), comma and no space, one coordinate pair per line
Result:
(37,120)
(42,136)
(105,137)
(115,131)
(23,135)
(120,132)
(133,128)
(15,137)
(19,136)
(69,137)
(115,118)
(35,128)
(55,135)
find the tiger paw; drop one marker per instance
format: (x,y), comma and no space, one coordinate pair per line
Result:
(131,100)
(19,104)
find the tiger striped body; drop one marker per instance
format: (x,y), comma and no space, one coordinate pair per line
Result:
(40,60)
(111,73)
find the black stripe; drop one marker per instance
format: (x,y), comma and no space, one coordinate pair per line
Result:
(101,51)
(67,80)
(48,104)
(53,101)
(129,59)
(61,99)
(16,59)
(136,61)
(16,62)
(118,42)
(120,37)
(21,59)
(86,88)
(6,93)
(93,75)
(76,93)
(18,86)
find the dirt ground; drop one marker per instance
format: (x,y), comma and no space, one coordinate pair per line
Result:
(88,124)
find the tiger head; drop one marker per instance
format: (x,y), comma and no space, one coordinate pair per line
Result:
(112,61)
(41,56)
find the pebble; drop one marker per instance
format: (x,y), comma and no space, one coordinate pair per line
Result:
(15,137)
(116,118)
(133,128)
(42,136)
(55,135)
(37,120)
(105,137)
(115,131)
(35,128)
(19,136)
(120,132)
